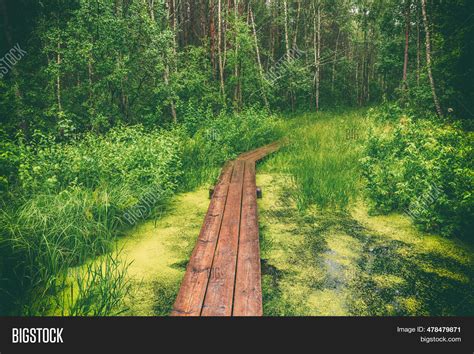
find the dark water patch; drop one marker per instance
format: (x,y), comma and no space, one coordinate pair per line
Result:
(429,283)
(338,265)
(164,296)
(334,273)
(390,277)
(180,265)
(273,272)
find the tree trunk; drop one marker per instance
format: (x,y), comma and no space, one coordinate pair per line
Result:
(212,35)
(287,45)
(357,83)
(334,63)
(219,48)
(58,77)
(151,9)
(89,71)
(236,54)
(295,35)
(317,51)
(202,16)
(166,74)
(258,59)
(226,29)
(428,59)
(418,49)
(407,37)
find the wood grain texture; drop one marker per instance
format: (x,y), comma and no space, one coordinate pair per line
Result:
(220,289)
(193,288)
(223,276)
(248,290)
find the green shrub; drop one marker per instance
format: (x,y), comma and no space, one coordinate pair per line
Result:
(387,112)
(72,201)
(424,168)
(222,138)
(9,160)
(73,197)
(126,156)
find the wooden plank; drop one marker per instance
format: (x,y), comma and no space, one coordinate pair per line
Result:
(193,288)
(220,289)
(258,154)
(248,289)
(261,153)
(223,276)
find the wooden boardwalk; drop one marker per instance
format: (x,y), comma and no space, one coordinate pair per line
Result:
(223,275)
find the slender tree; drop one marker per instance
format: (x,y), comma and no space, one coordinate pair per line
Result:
(260,67)
(219,48)
(428,59)
(317,50)
(166,74)
(287,43)
(407,38)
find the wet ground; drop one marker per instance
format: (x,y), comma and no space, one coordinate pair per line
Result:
(349,263)
(159,252)
(314,263)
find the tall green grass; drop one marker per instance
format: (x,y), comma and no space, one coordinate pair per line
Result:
(97,289)
(71,198)
(70,207)
(322,158)
(222,138)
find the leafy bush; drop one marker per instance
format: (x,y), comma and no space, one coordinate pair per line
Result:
(387,112)
(73,198)
(222,138)
(126,156)
(9,160)
(424,168)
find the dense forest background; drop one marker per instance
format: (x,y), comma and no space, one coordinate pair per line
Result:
(94,64)
(103,102)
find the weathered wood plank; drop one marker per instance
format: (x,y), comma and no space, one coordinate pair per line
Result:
(193,288)
(248,290)
(262,152)
(259,153)
(223,277)
(220,289)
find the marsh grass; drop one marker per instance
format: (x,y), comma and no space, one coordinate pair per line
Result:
(48,235)
(96,289)
(323,158)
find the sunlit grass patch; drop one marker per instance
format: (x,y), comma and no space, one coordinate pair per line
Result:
(97,288)
(322,158)
(387,281)
(412,305)
(444,273)
(327,302)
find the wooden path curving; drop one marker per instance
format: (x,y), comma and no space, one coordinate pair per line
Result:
(223,276)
